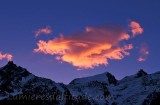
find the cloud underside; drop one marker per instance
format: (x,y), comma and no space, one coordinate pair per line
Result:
(6,56)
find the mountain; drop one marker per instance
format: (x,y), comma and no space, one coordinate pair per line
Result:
(20,87)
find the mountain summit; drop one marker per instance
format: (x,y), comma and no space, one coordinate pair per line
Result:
(20,87)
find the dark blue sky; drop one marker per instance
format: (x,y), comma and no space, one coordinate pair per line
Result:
(19,19)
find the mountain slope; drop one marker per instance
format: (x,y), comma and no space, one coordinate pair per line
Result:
(20,87)
(17,82)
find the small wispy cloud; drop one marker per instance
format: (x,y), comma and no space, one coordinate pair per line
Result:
(136,29)
(6,56)
(144,52)
(140,59)
(43,31)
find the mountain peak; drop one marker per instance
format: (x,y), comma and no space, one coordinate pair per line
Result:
(106,77)
(10,64)
(141,73)
(111,78)
(12,69)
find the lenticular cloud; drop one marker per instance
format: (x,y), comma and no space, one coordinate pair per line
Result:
(88,49)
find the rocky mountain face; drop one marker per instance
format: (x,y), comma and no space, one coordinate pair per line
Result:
(20,87)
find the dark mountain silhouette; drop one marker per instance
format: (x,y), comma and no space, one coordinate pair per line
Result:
(20,87)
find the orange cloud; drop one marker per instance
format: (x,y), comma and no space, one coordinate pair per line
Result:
(6,56)
(88,49)
(144,52)
(136,28)
(46,31)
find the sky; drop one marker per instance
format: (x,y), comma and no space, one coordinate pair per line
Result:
(64,40)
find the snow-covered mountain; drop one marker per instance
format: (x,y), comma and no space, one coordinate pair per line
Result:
(19,87)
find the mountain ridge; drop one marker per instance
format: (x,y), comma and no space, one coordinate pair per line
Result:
(102,89)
